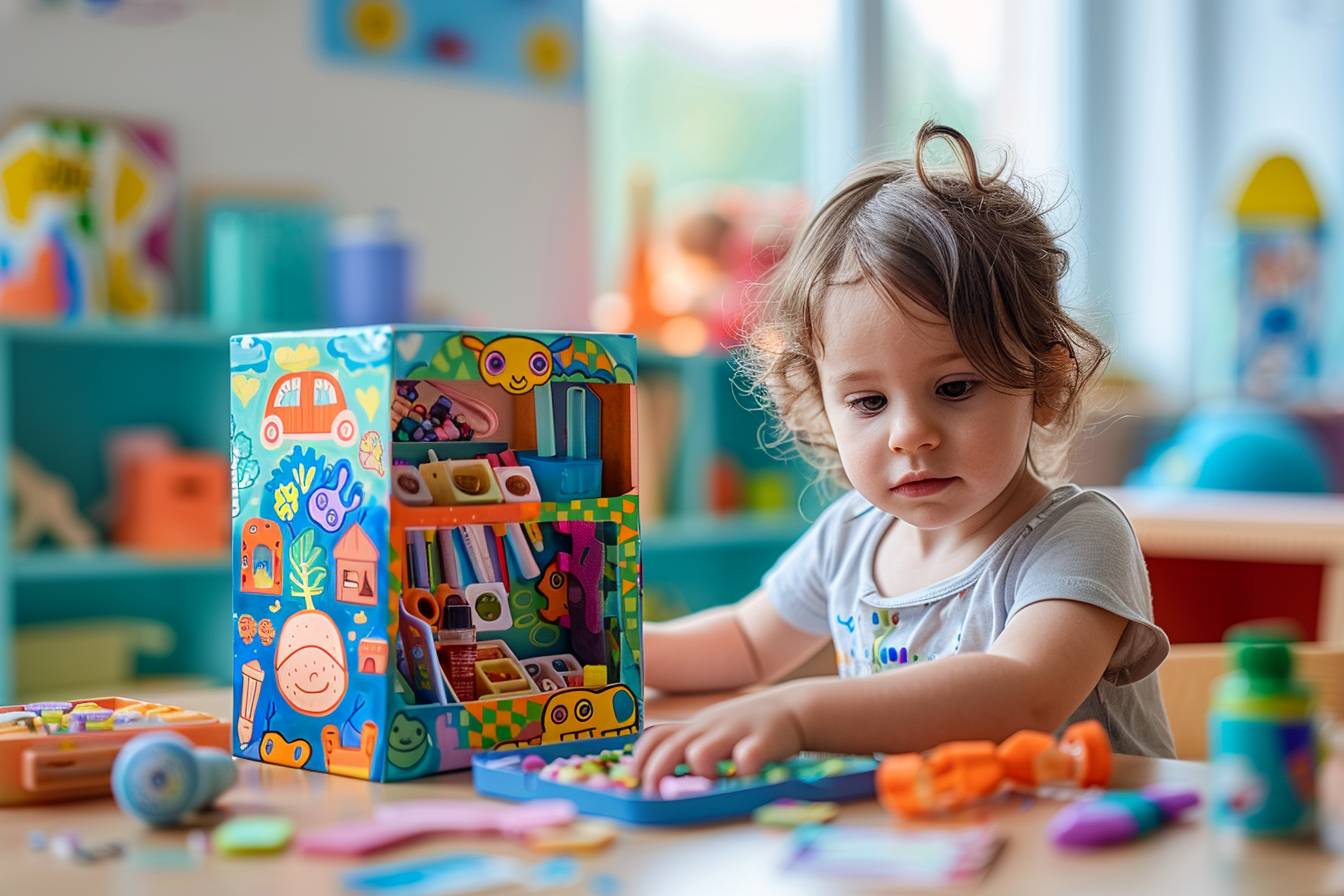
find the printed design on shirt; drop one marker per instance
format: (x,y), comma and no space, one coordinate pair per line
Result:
(883,622)
(846,621)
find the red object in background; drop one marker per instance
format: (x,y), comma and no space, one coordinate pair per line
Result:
(1196,601)
(449,47)
(175,502)
(725,485)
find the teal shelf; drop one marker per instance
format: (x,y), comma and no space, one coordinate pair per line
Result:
(67,384)
(183,334)
(704,532)
(103,564)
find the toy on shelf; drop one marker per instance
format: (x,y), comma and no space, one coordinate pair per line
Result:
(261,259)
(687,277)
(368,270)
(161,777)
(164,499)
(410,596)
(64,750)
(1280,243)
(45,506)
(1119,816)
(86,218)
(958,774)
(597,778)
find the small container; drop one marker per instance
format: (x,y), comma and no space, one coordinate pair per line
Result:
(1262,742)
(263,263)
(456,647)
(368,265)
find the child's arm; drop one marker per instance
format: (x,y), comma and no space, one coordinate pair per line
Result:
(725,648)
(1035,675)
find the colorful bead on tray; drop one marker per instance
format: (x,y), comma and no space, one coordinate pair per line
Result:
(612,770)
(61,717)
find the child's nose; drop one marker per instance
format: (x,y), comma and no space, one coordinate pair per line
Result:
(912,433)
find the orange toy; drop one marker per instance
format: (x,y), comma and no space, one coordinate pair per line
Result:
(954,775)
(173,502)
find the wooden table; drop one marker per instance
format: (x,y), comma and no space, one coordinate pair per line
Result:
(736,858)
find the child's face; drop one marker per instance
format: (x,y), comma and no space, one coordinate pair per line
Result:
(921,435)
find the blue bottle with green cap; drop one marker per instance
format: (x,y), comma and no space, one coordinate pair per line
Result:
(1262,740)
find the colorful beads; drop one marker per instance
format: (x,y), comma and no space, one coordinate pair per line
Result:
(613,770)
(672,788)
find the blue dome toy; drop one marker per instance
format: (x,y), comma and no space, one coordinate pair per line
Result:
(1240,448)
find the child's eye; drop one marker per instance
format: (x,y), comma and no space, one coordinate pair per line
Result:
(956,390)
(868,404)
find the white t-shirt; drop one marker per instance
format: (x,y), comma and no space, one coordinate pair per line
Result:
(1073,544)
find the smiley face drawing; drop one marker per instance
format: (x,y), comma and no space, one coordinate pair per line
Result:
(518,364)
(310,663)
(408,742)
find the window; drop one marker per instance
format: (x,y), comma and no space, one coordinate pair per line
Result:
(290,394)
(697,96)
(324,393)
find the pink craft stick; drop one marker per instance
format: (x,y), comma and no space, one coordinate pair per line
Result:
(397,823)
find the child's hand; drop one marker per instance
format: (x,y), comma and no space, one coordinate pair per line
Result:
(750,730)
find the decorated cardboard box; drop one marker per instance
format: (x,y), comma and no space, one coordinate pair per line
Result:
(435,543)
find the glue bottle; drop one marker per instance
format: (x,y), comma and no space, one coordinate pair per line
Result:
(456,647)
(1262,741)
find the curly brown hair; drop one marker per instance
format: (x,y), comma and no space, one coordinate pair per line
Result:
(972,248)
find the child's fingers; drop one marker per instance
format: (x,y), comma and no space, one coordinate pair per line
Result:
(664,758)
(704,752)
(751,753)
(649,739)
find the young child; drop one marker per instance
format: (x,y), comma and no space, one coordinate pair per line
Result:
(913,346)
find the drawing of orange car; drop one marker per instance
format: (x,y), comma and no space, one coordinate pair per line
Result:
(310,403)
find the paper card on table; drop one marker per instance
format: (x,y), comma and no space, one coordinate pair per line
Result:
(929,858)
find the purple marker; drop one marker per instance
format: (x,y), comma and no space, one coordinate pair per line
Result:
(1118,816)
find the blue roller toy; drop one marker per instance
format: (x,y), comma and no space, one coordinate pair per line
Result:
(162,777)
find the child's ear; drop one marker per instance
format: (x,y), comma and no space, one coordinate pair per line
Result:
(1054,376)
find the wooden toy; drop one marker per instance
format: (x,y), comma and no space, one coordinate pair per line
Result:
(594,775)
(955,775)
(369,569)
(45,506)
(65,750)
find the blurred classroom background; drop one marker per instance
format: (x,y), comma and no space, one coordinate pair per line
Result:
(173,171)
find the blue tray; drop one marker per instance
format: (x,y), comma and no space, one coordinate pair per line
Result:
(501,775)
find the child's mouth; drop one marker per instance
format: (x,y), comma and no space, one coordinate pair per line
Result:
(921,488)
